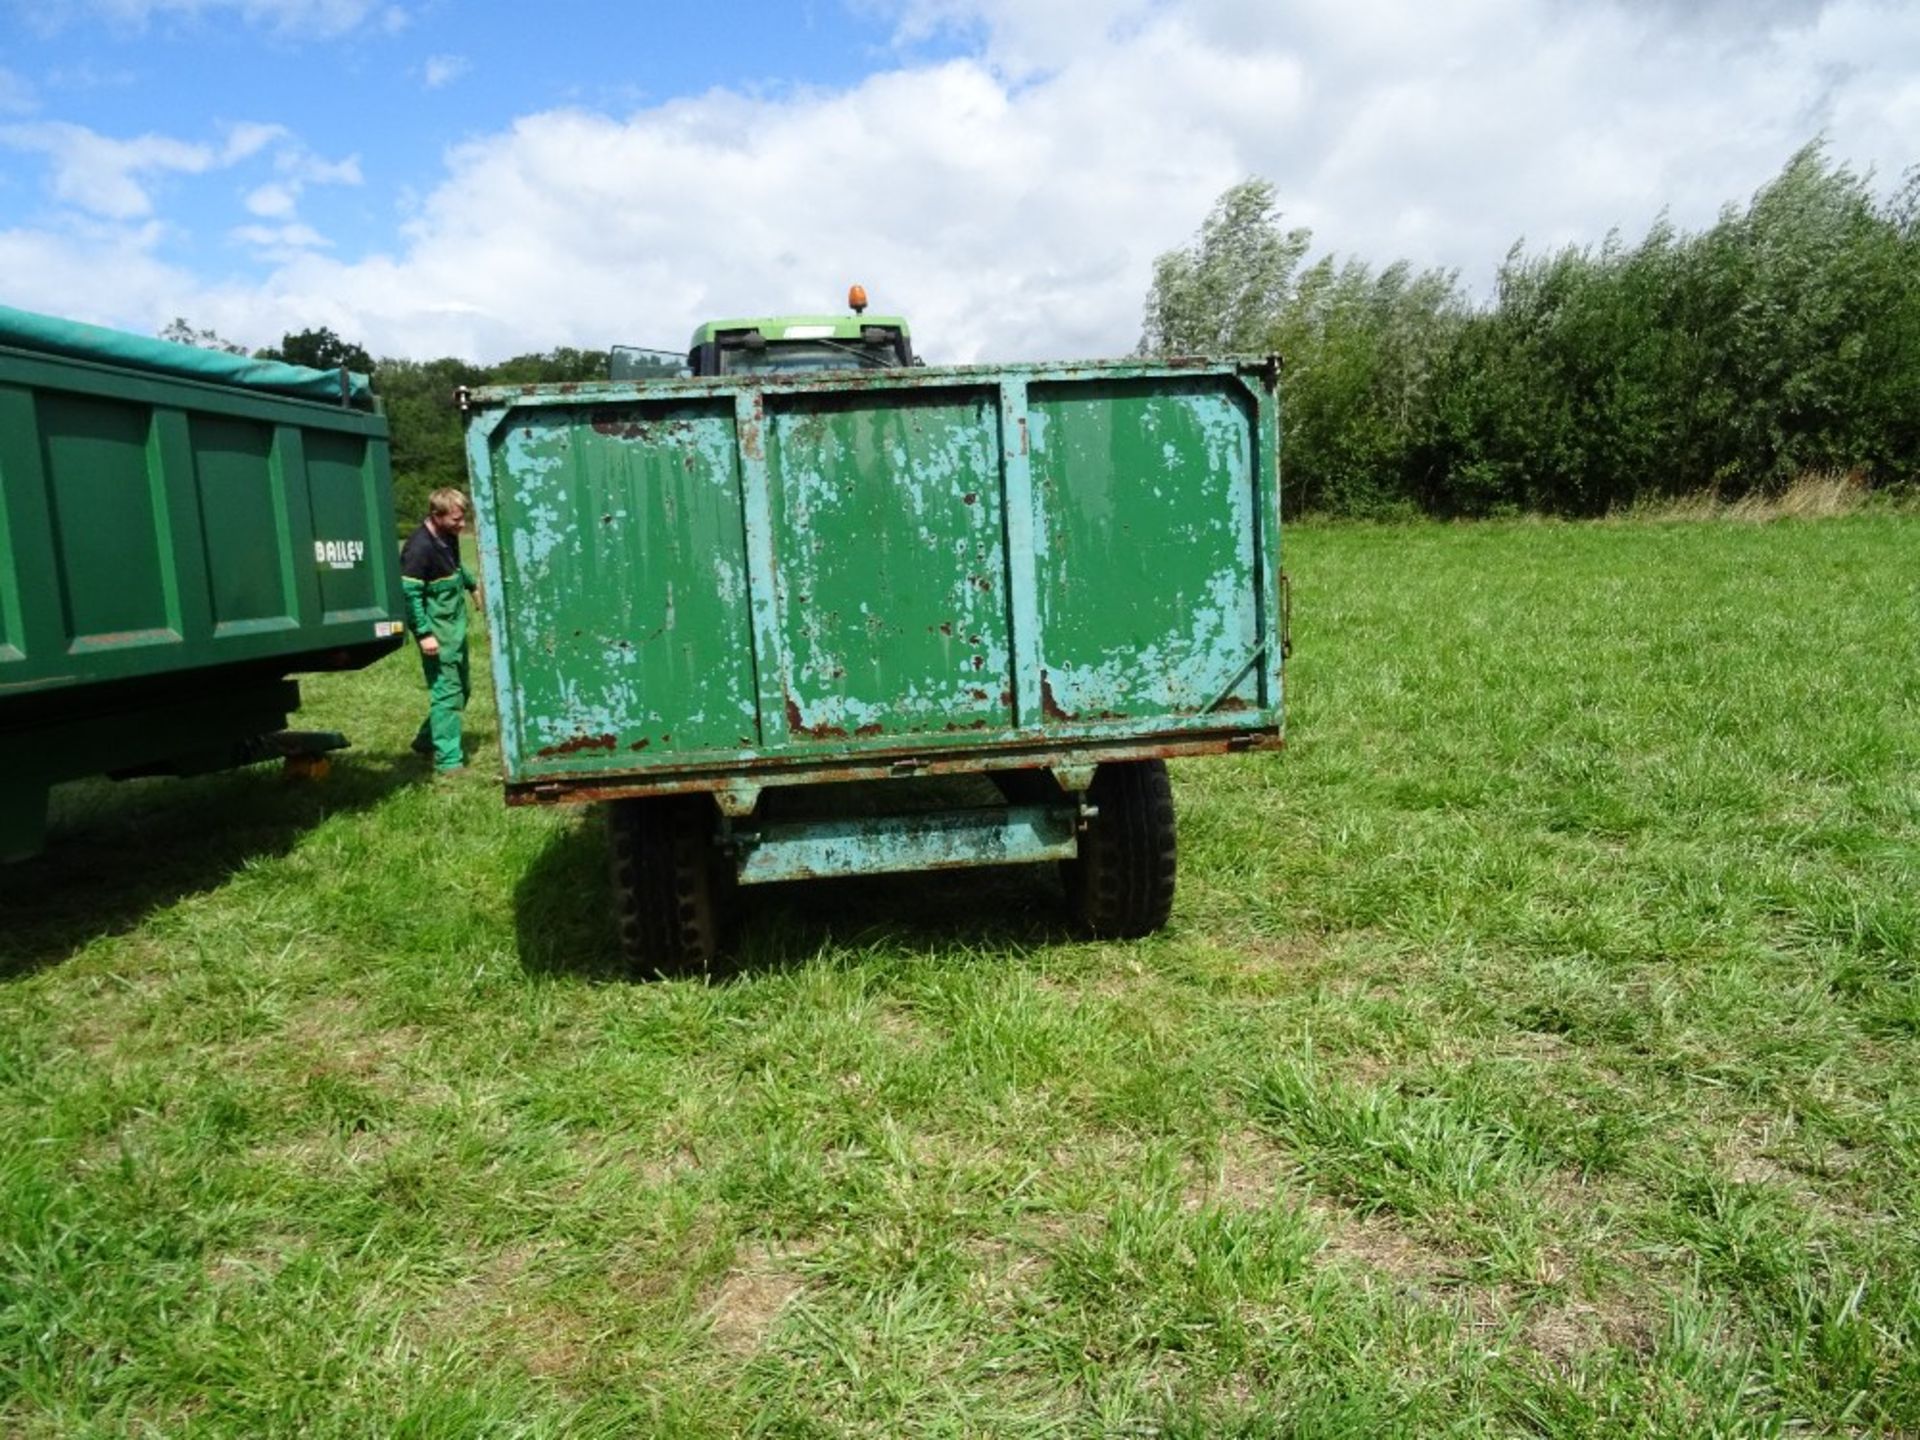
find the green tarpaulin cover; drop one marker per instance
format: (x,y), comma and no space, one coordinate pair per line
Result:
(25,330)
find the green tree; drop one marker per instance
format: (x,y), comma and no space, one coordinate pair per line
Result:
(1359,347)
(320,350)
(558,366)
(1782,339)
(1785,338)
(1361,350)
(428,448)
(1224,292)
(181,332)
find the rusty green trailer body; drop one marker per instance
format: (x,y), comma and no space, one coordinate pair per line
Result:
(174,543)
(747,582)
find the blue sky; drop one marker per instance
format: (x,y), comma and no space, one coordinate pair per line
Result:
(371,96)
(433,177)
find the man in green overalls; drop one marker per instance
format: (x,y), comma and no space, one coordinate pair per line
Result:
(436,585)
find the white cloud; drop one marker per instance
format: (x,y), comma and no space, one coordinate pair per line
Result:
(302,167)
(298,168)
(272,202)
(113,178)
(89,75)
(104,176)
(280,242)
(322,19)
(16,94)
(108,277)
(1019,37)
(280,200)
(443,70)
(1012,203)
(248,139)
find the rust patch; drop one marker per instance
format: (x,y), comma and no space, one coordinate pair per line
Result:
(1233,704)
(616,426)
(750,432)
(1048,703)
(579,743)
(871,764)
(977,693)
(640,744)
(622,425)
(972,497)
(797,723)
(866,732)
(979,662)
(946,628)
(1006,696)
(131,637)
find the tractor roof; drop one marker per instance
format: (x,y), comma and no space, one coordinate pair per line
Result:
(803,327)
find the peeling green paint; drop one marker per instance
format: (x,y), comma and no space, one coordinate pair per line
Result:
(688,577)
(886,844)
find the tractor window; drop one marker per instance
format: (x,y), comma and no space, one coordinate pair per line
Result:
(635,362)
(799,356)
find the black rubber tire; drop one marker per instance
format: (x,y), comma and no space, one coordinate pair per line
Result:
(666,891)
(1121,886)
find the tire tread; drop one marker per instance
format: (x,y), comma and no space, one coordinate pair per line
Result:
(1122,885)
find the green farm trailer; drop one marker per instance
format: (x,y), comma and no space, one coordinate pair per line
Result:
(180,531)
(718,598)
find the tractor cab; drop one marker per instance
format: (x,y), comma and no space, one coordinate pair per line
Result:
(789,344)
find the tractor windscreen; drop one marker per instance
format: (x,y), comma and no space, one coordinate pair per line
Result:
(751,353)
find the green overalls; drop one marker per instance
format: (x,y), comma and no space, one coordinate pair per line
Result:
(439,608)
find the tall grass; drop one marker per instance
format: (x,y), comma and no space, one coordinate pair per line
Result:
(1822,495)
(1533,1050)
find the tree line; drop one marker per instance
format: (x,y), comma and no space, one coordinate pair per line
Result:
(417,396)
(1782,340)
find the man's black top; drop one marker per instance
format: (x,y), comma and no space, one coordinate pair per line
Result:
(427,556)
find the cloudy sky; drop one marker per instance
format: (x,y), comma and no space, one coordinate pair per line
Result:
(436,177)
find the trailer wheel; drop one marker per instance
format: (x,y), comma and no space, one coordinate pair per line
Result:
(664,884)
(1121,886)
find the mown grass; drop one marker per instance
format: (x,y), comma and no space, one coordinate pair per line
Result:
(1533,1051)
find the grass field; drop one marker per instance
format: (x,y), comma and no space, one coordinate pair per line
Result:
(1535,1049)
